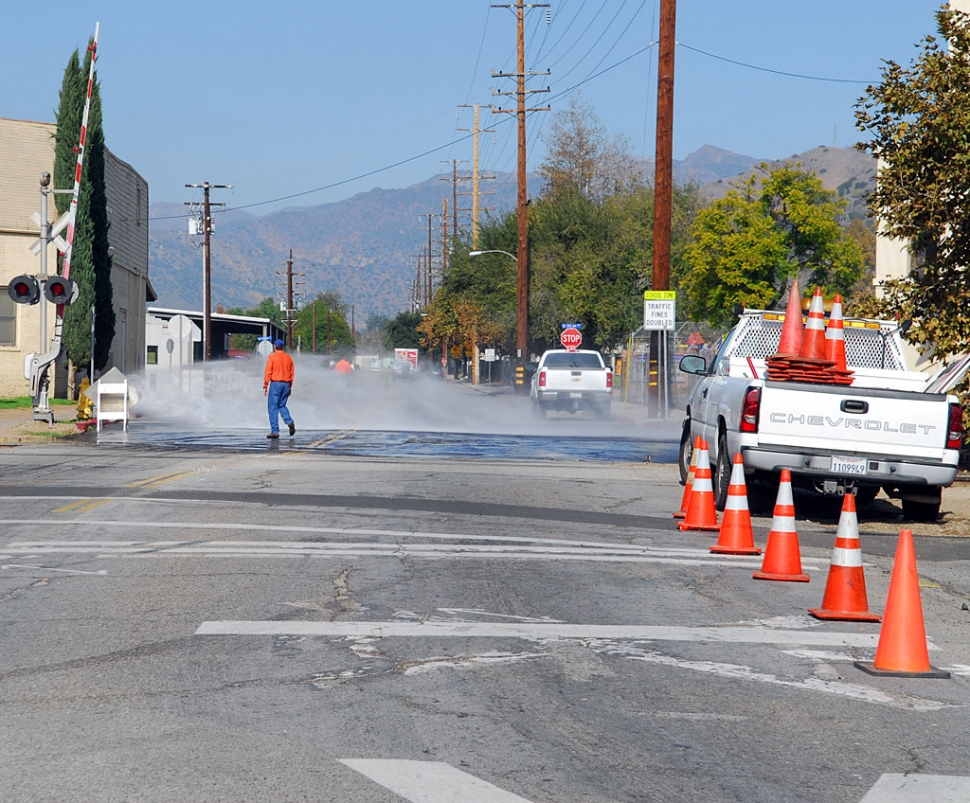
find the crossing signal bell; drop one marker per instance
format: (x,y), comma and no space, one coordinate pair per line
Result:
(60,291)
(24,289)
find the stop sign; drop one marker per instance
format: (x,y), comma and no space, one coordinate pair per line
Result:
(572,339)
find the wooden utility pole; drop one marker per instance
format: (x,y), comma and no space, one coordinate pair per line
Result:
(207,229)
(455,178)
(289,300)
(662,200)
(476,175)
(522,241)
(444,239)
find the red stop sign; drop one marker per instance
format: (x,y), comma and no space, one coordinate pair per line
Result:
(572,339)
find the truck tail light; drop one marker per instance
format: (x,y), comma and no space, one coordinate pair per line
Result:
(749,410)
(542,379)
(609,379)
(954,430)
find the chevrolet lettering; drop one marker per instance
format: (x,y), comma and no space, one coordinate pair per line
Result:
(850,423)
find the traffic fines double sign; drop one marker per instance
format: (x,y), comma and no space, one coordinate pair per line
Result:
(659,310)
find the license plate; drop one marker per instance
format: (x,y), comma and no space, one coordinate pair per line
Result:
(575,395)
(850,465)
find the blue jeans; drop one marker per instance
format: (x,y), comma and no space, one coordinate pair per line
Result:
(279,392)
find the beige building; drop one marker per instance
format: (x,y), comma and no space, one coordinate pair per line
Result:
(26,151)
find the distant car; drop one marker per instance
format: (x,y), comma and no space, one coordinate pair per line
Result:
(375,365)
(402,369)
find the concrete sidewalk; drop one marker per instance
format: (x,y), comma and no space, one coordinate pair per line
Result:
(17,425)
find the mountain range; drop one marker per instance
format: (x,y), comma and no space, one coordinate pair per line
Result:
(365,247)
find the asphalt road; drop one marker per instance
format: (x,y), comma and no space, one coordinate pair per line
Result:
(209,624)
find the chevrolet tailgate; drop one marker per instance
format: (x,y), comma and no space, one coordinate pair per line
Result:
(833,419)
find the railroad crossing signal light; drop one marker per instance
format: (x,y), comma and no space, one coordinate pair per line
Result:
(60,291)
(24,289)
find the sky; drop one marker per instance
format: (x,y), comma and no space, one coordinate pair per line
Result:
(305,102)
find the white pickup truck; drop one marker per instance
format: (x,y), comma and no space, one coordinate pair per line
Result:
(892,428)
(570,381)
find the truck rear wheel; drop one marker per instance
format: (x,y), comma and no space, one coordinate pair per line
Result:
(924,509)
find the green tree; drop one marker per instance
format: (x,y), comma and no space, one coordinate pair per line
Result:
(402,332)
(918,118)
(333,335)
(590,246)
(748,246)
(90,260)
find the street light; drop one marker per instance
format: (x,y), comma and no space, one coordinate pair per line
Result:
(493,251)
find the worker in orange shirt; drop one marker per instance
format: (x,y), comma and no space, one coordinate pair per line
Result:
(277,384)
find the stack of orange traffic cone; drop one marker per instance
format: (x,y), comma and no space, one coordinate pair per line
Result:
(793,331)
(783,561)
(902,638)
(813,343)
(845,591)
(736,536)
(835,344)
(690,479)
(701,513)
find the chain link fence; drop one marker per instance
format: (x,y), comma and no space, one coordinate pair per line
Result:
(638,379)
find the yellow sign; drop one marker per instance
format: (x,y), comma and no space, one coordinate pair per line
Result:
(456,351)
(659,295)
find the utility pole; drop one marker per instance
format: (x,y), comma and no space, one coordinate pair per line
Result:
(444,239)
(427,290)
(522,245)
(663,181)
(207,229)
(455,178)
(290,302)
(476,175)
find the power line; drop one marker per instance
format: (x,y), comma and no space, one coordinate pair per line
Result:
(774,72)
(553,97)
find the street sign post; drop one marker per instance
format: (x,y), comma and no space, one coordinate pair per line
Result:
(571,338)
(659,310)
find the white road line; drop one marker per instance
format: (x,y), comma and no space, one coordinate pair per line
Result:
(429,781)
(404,535)
(538,632)
(300,549)
(48,569)
(912,788)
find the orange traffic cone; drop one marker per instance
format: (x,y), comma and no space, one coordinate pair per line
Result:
(835,336)
(845,591)
(736,536)
(902,637)
(792,331)
(783,561)
(690,479)
(813,343)
(701,513)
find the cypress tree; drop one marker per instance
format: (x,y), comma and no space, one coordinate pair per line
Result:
(90,261)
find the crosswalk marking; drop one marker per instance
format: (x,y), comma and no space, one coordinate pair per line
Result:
(537,631)
(915,788)
(430,781)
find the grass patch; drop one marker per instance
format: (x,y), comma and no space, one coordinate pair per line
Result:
(26,402)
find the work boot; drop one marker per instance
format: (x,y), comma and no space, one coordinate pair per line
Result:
(273,435)
(292,429)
